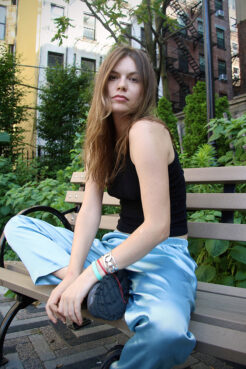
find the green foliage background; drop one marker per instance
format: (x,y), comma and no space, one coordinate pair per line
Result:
(64,104)
(12,110)
(196,117)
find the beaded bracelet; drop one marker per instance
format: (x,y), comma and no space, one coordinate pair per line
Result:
(95,270)
(110,263)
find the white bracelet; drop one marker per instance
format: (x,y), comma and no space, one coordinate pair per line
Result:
(110,263)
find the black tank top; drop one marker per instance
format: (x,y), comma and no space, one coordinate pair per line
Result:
(126,188)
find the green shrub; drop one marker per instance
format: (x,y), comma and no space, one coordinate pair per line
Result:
(165,113)
(196,131)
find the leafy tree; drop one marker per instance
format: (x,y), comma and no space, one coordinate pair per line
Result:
(231,133)
(165,113)
(158,27)
(12,109)
(64,104)
(196,132)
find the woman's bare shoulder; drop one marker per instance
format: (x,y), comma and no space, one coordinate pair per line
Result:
(149,130)
(150,138)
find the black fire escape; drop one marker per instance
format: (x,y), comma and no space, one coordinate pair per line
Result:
(185,56)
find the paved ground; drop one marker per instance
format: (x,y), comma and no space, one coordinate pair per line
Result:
(33,342)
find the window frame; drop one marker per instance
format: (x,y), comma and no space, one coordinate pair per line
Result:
(224,70)
(220,44)
(89,28)
(55,53)
(83,59)
(5,21)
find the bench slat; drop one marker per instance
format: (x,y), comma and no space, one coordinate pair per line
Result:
(230,174)
(216,201)
(212,175)
(218,231)
(220,342)
(78,197)
(23,284)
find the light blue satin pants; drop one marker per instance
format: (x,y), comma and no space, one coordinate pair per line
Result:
(162,293)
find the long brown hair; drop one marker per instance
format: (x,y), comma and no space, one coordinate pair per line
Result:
(102,153)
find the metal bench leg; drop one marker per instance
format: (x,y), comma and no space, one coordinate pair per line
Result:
(21,303)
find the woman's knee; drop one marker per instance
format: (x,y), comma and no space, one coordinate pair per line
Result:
(13,224)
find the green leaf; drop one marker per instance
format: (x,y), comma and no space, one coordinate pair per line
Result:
(216,247)
(227,280)
(10,294)
(5,210)
(238,253)
(240,275)
(241,284)
(205,273)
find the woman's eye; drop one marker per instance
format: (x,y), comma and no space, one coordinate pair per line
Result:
(112,77)
(133,79)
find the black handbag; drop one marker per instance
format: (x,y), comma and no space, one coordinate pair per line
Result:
(108,298)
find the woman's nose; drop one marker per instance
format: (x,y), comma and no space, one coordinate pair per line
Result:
(122,83)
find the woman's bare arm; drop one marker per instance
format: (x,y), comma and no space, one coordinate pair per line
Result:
(87,224)
(151,151)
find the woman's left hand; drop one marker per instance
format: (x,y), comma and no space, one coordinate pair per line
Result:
(72,298)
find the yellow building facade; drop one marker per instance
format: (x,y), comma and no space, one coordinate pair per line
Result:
(19,32)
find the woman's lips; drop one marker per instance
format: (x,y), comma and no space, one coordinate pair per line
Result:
(120,98)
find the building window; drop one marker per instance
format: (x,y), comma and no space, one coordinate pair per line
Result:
(182,25)
(88,64)
(89,27)
(11,48)
(13,2)
(220,33)
(200,29)
(234,48)
(233,24)
(56,11)
(126,31)
(202,64)
(183,63)
(143,39)
(218,5)
(232,4)
(2,22)
(222,70)
(55,59)
(236,73)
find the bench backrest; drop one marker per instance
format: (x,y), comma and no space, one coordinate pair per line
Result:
(226,201)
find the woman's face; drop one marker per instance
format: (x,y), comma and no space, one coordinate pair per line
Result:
(124,86)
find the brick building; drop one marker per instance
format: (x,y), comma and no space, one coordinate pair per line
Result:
(241,25)
(185,51)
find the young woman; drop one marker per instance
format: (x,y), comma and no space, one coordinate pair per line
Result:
(130,152)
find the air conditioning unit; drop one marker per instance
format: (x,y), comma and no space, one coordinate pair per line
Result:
(219,13)
(223,77)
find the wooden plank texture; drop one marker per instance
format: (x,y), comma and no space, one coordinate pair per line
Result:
(220,342)
(219,231)
(78,196)
(216,201)
(228,174)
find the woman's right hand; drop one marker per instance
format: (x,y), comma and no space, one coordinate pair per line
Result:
(53,301)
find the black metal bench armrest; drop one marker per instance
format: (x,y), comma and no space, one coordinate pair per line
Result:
(33,209)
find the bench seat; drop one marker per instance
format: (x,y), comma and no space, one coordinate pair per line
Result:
(219,315)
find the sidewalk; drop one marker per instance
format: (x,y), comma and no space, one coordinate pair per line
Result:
(33,342)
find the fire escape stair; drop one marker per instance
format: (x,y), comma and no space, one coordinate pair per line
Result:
(177,77)
(180,12)
(186,53)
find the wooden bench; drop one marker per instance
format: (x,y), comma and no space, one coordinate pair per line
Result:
(219,321)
